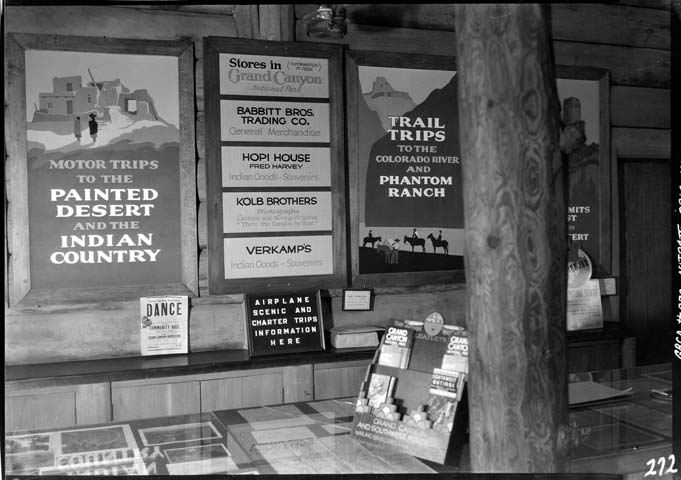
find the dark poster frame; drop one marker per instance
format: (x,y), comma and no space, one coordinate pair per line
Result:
(355,59)
(605,171)
(218,284)
(22,291)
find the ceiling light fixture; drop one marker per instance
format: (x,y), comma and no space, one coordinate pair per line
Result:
(326,22)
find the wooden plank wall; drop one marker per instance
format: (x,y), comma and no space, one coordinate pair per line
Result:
(109,330)
(631,38)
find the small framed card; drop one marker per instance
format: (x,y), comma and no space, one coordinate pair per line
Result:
(358,299)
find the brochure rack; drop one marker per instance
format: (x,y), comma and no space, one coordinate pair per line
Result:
(416,406)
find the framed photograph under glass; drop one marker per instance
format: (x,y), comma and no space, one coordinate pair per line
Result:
(101,154)
(406,198)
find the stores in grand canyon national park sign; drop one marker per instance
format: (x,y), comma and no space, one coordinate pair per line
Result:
(274,153)
(103,167)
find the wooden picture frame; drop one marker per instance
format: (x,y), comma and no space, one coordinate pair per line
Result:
(248,84)
(176,272)
(358,152)
(600,175)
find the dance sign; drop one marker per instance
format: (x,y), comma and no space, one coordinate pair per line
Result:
(164,325)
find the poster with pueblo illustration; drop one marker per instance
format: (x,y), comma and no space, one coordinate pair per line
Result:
(106,450)
(410,186)
(275,159)
(103,143)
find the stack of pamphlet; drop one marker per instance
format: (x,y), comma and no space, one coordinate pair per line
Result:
(355,337)
(396,347)
(411,399)
(380,389)
(447,383)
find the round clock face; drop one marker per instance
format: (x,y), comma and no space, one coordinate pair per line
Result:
(433,323)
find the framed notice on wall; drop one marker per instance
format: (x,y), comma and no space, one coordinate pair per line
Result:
(275,176)
(584,97)
(101,164)
(284,323)
(406,197)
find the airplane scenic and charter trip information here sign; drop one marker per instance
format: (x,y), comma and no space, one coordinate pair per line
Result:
(284,323)
(276,166)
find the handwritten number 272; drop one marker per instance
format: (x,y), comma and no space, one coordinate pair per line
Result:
(661,461)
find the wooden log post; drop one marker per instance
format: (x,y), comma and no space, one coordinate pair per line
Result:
(277,22)
(516,238)
(247,22)
(274,22)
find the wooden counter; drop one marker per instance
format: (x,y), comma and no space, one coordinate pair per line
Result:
(319,444)
(133,368)
(81,393)
(588,350)
(623,436)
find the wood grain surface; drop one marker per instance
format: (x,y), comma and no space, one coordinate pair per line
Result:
(628,65)
(582,22)
(633,50)
(515,215)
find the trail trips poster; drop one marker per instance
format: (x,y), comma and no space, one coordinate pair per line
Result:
(410,180)
(103,144)
(410,190)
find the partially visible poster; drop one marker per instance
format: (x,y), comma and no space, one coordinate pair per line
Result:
(134,466)
(163,328)
(580,101)
(584,309)
(26,454)
(108,450)
(409,161)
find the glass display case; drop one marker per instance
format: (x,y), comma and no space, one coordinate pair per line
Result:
(615,436)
